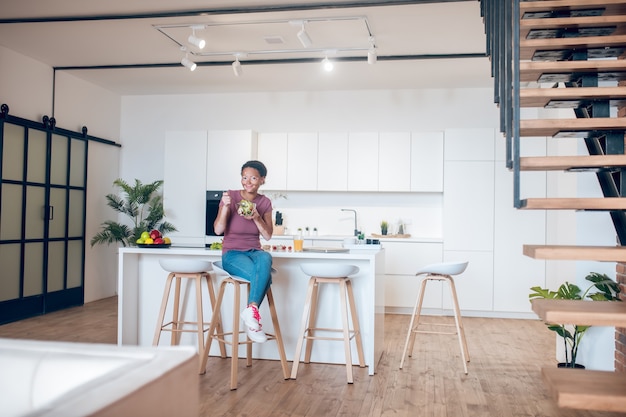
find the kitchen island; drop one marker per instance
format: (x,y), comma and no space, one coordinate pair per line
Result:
(141,281)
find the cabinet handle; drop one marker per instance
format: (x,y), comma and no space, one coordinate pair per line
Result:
(50,212)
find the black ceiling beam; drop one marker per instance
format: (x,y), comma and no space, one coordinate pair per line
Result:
(278,61)
(223,11)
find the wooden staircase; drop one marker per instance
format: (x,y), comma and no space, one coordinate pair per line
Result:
(567,54)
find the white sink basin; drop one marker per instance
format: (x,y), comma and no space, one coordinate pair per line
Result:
(186,265)
(329,270)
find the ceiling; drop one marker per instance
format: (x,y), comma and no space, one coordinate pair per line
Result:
(134,47)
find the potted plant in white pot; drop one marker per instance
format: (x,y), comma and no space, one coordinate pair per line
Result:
(605,289)
(143,205)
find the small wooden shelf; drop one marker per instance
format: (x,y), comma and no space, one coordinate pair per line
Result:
(608,6)
(582,312)
(569,252)
(565,163)
(603,204)
(587,390)
(569,23)
(552,127)
(563,97)
(528,47)
(562,70)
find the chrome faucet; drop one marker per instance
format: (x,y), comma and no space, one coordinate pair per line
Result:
(356,230)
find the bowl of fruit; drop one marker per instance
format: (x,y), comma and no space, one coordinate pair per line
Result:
(153,239)
(245,208)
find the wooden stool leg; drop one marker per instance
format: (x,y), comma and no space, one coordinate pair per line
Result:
(176,311)
(166,296)
(308,347)
(218,326)
(200,315)
(235,338)
(303,324)
(215,319)
(410,334)
(355,324)
(459,325)
(248,342)
(277,333)
(343,294)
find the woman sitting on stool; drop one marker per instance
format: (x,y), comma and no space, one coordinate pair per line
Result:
(242,223)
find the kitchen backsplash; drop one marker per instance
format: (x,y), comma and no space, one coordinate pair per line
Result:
(420,213)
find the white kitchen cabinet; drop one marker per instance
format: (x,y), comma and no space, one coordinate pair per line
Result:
(302,161)
(272,151)
(332,161)
(227,151)
(402,260)
(184,185)
(394,161)
(363,161)
(427,162)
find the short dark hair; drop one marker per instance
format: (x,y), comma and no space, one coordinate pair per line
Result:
(258,165)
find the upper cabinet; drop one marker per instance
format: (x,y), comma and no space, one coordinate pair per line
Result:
(272,151)
(227,151)
(302,161)
(394,161)
(427,161)
(363,161)
(332,155)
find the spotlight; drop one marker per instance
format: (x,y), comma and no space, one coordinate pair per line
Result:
(371,56)
(327,64)
(237,67)
(304,38)
(197,42)
(194,40)
(188,63)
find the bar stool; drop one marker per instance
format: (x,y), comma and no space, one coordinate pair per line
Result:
(337,274)
(179,269)
(233,337)
(438,272)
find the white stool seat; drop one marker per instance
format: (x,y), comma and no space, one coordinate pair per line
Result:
(445,268)
(185,265)
(329,270)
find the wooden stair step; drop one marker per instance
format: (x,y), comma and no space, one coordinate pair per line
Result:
(542,97)
(577,127)
(608,7)
(570,252)
(566,163)
(586,389)
(563,71)
(529,28)
(605,204)
(581,312)
(558,48)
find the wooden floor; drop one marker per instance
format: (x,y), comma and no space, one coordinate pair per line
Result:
(504,373)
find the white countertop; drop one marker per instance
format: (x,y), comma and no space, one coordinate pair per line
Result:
(196,251)
(411,239)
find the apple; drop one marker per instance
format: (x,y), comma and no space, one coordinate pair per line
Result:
(148,241)
(145,235)
(155,234)
(159,241)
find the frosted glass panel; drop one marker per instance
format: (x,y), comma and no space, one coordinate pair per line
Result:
(75,263)
(58,170)
(36,156)
(56,266)
(11,212)
(10,282)
(35,212)
(76,213)
(33,269)
(58,211)
(13,152)
(77,169)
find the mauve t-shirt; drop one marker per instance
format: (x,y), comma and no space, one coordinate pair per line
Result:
(241,233)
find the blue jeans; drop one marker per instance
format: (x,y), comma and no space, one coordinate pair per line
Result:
(253,265)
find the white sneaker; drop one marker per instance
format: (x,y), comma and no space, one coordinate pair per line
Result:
(257,336)
(252,322)
(251,317)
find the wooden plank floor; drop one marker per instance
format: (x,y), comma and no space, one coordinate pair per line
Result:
(504,373)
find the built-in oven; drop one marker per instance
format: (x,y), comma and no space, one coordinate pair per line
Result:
(212,206)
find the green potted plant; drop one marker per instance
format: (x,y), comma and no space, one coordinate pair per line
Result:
(605,290)
(384,226)
(143,205)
